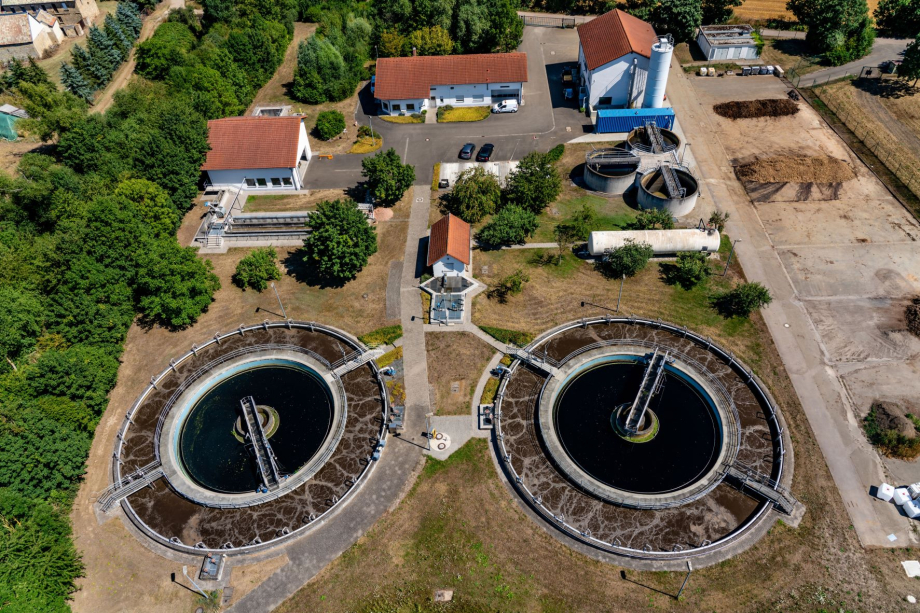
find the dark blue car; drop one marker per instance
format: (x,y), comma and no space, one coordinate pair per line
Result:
(485,153)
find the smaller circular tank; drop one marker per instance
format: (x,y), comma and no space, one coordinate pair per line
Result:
(610,171)
(638,140)
(653,192)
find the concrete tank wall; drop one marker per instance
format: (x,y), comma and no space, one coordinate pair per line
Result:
(637,141)
(663,242)
(613,181)
(650,194)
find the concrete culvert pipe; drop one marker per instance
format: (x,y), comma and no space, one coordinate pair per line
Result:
(610,171)
(663,242)
(668,188)
(638,140)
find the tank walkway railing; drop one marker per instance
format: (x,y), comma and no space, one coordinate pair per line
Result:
(671,182)
(273,219)
(129,484)
(651,383)
(261,448)
(360,360)
(599,157)
(748,478)
(540,362)
(656,141)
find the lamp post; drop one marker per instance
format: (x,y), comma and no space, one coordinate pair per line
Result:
(283,313)
(428,429)
(620,295)
(185,572)
(730,253)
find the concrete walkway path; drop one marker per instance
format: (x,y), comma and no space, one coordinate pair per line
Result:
(816,383)
(472,329)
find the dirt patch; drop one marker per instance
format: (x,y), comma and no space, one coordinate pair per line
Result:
(893,416)
(789,169)
(750,109)
(455,363)
(912,312)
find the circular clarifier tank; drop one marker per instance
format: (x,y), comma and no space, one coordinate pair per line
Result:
(653,191)
(296,410)
(638,140)
(611,170)
(678,446)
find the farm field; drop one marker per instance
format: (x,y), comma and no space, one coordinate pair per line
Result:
(766,9)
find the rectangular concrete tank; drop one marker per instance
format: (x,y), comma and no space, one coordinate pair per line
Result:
(663,242)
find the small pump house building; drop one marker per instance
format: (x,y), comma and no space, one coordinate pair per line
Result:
(257,152)
(449,246)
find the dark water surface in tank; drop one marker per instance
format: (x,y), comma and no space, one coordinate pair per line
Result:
(685,448)
(218,461)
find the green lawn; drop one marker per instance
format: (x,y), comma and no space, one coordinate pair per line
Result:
(612,214)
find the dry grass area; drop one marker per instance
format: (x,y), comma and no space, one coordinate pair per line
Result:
(749,109)
(455,363)
(789,53)
(402,119)
(790,169)
(277,88)
(366,144)
(466,113)
(276,203)
(768,9)
(11,152)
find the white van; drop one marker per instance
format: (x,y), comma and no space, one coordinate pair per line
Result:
(505,106)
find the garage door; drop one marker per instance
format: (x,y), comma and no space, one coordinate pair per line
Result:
(503,94)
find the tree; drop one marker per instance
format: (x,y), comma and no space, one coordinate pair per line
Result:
(81,60)
(82,373)
(129,17)
(476,194)
(719,11)
(691,269)
(718,219)
(512,285)
(841,29)
(576,229)
(168,47)
(511,226)
(173,285)
(534,183)
(329,124)
(743,300)
(651,219)
(74,82)
(51,112)
(340,240)
(899,18)
(103,52)
(21,322)
(321,73)
(257,269)
(910,65)
(392,44)
(17,73)
(387,177)
(153,204)
(431,41)
(505,28)
(626,260)
(116,33)
(680,18)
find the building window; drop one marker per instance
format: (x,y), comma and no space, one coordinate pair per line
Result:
(397,107)
(604,100)
(479,98)
(410,107)
(287,182)
(504,86)
(386,106)
(261,182)
(276,182)
(250,182)
(460,99)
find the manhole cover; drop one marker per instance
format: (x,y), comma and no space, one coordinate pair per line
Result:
(485,270)
(440,441)
(455,387)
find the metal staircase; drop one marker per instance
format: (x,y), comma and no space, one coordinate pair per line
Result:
(255,436)
(671,182)
(747,478)
(656,142)
(359,360)
(651,384)
(129,484)
(540,362)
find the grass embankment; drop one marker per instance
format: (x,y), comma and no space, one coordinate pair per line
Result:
(382,336)
(435,177)
(467,113)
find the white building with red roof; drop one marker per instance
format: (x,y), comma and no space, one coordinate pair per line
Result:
(257,152)
(613,56)
(406,85)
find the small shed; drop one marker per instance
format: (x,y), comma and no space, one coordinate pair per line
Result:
(735,42)
(449,250)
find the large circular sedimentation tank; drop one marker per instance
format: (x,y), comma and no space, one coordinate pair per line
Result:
(611,170)
(653,192)
(249,439)
(656,484)
(638,140)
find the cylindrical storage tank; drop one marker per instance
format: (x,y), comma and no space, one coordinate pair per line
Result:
(610,171)
(653,193)
(657,79)
(663,242)
(638,140)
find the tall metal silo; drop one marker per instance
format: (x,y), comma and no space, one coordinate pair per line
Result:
(658,72)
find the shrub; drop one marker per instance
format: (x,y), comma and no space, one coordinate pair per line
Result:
(890,441)
(512,285)
(718,219)
(257,269)
(509,337)
(444,109)
(387,177)
(366,131)
(330,124)
(626,260)
(691,269)
(652,219)
(743,300)
(511,226)
(382,336)
(555,154)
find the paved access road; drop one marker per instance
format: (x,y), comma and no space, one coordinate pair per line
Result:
(884,49)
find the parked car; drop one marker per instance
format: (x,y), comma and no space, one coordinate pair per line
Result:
(373,83)
(485,153)
(505,106)
(467,151)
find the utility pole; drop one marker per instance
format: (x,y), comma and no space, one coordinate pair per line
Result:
(620,295)
(730,253)
(203,593)
(283,313)
(687,578)
(428,429)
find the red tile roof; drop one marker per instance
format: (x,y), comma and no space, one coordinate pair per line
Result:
(450,235)
(404,78)
(613,35)
(253,142)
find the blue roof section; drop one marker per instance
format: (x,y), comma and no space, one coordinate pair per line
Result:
(626,120)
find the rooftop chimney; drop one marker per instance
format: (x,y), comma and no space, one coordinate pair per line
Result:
(414,52)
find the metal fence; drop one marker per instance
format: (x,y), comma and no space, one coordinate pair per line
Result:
(548,22)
